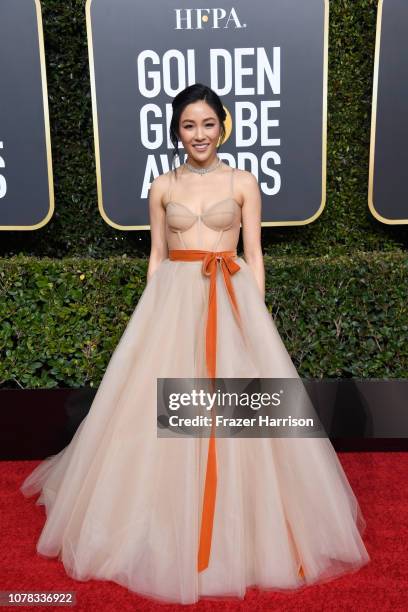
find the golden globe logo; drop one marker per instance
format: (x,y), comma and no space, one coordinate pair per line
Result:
(213,18)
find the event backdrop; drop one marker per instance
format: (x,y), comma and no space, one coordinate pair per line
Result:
(387,195)
(26,181)
(266,59)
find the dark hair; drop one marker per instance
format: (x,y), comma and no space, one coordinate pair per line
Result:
(191,94)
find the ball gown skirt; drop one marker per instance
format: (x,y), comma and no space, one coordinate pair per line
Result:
(124,505)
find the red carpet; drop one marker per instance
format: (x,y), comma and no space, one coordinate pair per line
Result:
(378,479)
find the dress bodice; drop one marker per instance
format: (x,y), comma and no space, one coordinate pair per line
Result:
(215,227)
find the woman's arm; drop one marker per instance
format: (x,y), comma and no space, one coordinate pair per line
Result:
(157,213)
(251,227)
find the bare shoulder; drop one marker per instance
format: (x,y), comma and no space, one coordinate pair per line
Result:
(161,181)
(159,188)
(246,185)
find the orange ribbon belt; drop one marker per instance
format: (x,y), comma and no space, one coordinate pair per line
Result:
(209,268)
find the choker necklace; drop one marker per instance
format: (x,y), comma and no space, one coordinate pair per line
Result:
(203,171)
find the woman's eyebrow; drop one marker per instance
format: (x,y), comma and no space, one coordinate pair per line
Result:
(192,120)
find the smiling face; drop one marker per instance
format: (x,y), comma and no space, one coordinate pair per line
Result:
(199,124)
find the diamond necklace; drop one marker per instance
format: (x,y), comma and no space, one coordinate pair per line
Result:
(203,170)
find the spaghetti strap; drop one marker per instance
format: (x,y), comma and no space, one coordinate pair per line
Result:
(169,188)
(232,182)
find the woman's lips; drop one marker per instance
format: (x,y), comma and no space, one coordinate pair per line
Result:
(200,147)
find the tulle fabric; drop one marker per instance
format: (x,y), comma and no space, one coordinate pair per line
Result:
(124,505)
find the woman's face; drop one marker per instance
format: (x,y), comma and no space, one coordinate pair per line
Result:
(199,124)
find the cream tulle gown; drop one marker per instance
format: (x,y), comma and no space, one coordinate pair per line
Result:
(125,505)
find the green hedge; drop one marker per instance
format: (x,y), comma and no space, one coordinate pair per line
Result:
(61,319)
(77,228)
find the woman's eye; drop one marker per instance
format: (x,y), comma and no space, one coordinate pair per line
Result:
(208,125)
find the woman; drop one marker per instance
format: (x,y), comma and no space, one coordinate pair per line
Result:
(177,519)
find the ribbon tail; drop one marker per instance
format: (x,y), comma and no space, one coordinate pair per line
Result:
(210,488)
(211,332)
(207,520)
